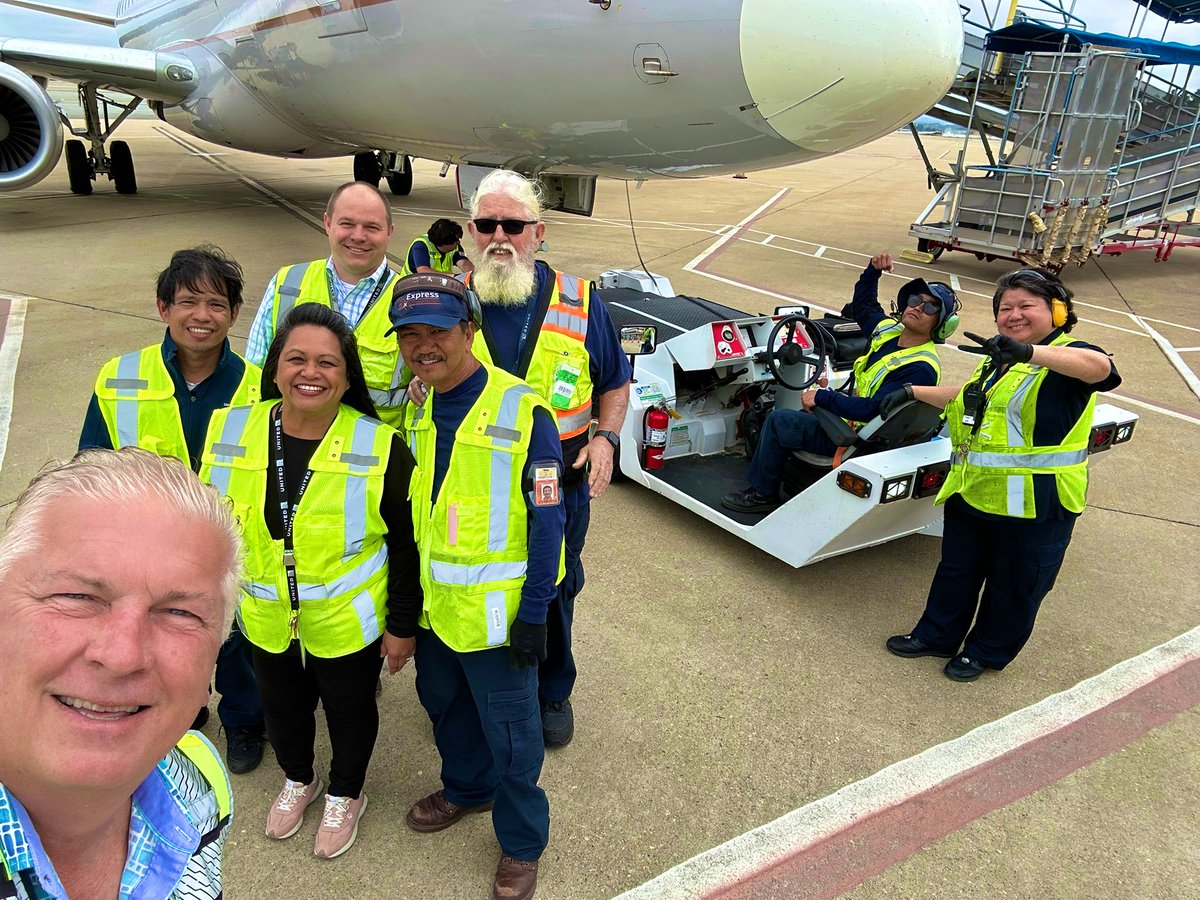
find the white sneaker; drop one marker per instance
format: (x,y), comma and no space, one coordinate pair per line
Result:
(286,815)
(339,825)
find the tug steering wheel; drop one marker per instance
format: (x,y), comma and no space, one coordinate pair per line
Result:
(790,354)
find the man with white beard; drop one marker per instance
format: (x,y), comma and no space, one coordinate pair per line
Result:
(547,328)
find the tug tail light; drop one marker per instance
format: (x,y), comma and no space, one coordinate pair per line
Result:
(854,484)
(929,479)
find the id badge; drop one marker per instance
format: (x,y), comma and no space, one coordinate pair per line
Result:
(565,378)
(545,486)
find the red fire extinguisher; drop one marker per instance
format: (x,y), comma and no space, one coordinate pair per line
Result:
(654,436)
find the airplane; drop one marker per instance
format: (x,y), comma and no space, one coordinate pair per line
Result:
(563,90)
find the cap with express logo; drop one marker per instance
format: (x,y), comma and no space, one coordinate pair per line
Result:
(428,299)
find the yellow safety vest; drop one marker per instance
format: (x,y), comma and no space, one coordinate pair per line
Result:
(205,758)
(382,365)
(474,538)
(137,400)
(438,261)
(559,369)
(338,537)
(868,379)
(994,468)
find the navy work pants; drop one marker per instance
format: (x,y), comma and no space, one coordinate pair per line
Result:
(240,705)
(345,687)
(1014,561)
(556,674)
(783,431)
(488,729)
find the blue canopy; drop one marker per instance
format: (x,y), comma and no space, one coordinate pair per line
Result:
(1026,36)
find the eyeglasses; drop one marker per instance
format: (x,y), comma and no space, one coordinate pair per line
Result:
(510,226)
(929,307)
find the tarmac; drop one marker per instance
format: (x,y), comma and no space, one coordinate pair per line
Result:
(719,688)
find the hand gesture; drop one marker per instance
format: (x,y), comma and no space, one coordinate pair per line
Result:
(893,400)
(1002,349)
(882,262)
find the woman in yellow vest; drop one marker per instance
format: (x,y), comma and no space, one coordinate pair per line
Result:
(1018,477)
(331,580)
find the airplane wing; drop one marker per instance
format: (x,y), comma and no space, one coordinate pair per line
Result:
(149,74)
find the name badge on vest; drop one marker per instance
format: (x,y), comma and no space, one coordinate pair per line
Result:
(565,378)
(545,486)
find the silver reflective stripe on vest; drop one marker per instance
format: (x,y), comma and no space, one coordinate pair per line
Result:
(502,463)
(496,610)
(576,420)
(1052,459)
(260,591)
(896,362)
(1015,495)
(480,573)
(364,606)
(228,445)
(355,578)
(359,460)
(570,291)
(384,399)
(289,291)
(1012,412)
(128,370)
(564,320)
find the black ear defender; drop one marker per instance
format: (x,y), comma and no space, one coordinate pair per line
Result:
(446,284)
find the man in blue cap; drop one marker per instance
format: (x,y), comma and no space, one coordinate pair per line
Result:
(488,515)
(902,352)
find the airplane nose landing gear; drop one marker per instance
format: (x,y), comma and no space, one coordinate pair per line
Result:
(371,165)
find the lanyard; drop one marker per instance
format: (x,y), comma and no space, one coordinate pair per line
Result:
(383,282)
(287,513)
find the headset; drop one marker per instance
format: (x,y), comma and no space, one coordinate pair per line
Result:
(445,283)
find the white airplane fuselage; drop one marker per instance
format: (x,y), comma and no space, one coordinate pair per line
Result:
(559,85)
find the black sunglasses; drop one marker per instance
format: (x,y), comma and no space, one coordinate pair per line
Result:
(510,226)
(929,307)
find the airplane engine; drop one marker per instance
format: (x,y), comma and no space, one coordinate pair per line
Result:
(31,132)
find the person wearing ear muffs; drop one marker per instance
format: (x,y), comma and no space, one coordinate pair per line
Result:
(1018,476)
(902,351)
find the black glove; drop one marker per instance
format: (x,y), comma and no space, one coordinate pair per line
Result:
(526,644)
(1002,349)
(893,400)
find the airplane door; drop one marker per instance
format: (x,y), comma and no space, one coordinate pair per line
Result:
(651,63)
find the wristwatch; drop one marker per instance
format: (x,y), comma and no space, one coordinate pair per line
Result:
(611,436)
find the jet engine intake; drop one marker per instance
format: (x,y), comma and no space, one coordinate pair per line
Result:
(31,132)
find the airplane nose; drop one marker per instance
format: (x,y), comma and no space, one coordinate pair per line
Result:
(832,76)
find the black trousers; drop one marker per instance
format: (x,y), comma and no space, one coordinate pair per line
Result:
(1014,561)
(345,687)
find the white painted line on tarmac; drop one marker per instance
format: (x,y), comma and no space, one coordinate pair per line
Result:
(1174,414)
(955,283)
(1186,349)
(757,851)
(1173,356)
(767,239)
(820,251)
(725,238)
(10,351)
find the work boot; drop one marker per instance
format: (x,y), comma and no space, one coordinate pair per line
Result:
(243,749)
(339,825)
(435,812)
(558,723)
(515,878)
(286,815)
(963,668)
(749,501)
(908,646)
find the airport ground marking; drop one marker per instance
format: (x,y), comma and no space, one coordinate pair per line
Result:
(835,843)
(1172,355)
(10,352)
(736,231)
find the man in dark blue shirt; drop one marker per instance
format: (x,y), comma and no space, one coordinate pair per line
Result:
(161,398)
(901,352)
(546,327)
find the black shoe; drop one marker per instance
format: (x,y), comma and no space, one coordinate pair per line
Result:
(963,668)
(909,646)
(243,749)
(749,501)
(558,723)
(201,719)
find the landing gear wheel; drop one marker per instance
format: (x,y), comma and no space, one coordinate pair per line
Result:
(79,168)
(401,182)
(790,354)
(120,162)
(367,168)
(924,246)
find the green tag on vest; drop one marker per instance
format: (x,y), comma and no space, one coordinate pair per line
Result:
(565,379)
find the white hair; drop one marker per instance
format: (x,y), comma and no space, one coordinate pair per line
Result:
(117,476)
(504,181)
